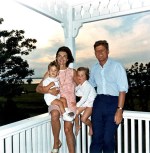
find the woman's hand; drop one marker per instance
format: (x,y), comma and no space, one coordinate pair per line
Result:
(54,91)
(52,84)
(44,89)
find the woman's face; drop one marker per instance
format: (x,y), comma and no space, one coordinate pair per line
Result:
(81,76)
(62,58)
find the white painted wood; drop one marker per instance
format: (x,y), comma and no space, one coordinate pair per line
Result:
(37,129)
(78,138)
(73,17)
(132,136)
(40,138)
(113,6)
(126,135)
(22,142)
(86,11)
(44,141)
(2,145)
(8,142)
(84,138)
(15,143)
(139,136)
(34,140)
(95,9)
(78,143)
(53,9)
(48,137)
(63,137)
(29,141)
(147,129)
(51,138)
(89,138)
(119,137)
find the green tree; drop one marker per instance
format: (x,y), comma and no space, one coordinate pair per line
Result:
(13,68)
(139,83)
(29,80)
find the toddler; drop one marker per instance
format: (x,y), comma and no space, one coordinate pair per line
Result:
(52,99)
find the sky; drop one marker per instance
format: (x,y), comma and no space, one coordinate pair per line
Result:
(128,37)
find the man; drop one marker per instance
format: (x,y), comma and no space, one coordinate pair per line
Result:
(109,77)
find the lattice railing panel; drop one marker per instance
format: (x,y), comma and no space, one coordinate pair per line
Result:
(100,8)
(55,9)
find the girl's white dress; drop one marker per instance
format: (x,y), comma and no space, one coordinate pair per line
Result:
(87,94)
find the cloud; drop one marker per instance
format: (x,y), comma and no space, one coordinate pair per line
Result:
(128,39)
(40,58)
(128,36)
(48,33)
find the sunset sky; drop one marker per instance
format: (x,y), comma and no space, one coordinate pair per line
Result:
(128,37)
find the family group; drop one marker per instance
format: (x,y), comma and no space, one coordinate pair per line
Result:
(77,95)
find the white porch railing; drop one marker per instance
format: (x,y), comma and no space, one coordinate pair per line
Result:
(34,135)
(134,133)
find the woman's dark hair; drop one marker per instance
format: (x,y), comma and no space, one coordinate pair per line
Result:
(86,70)
(69,54)
(103,43)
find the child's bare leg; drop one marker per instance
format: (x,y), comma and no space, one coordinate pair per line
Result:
(90,130)
(87,113)
(77,125)
(59,104)
(64,102)
(64,109)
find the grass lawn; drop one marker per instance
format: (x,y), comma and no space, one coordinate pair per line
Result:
(29,104)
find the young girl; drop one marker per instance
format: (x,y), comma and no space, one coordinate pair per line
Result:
(87,95)
(52,99)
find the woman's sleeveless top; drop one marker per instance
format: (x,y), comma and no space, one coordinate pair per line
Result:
(67,87)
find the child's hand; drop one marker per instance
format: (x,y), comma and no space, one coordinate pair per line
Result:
(51,84)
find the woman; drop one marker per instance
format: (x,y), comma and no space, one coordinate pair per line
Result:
(67,78)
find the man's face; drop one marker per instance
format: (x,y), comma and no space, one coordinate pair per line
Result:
(101,54)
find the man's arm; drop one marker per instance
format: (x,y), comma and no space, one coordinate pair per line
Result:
(119,111)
